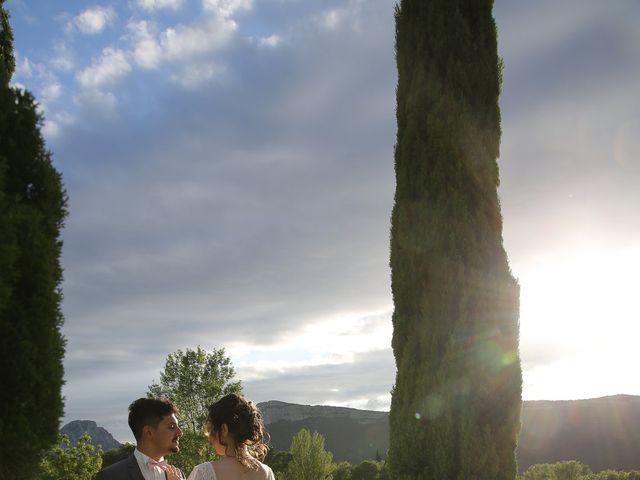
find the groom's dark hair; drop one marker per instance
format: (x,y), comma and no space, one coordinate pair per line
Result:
(148,411)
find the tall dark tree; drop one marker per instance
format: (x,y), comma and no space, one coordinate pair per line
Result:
(32,212)
(456,402)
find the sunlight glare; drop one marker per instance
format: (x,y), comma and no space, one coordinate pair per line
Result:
(579,320)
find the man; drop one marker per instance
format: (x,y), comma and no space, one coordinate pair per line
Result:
(155,427)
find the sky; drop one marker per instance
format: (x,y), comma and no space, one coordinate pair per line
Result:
(229,165)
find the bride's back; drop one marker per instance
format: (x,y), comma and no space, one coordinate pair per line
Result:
(231,469)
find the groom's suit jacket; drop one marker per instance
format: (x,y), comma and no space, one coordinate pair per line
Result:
(126,469)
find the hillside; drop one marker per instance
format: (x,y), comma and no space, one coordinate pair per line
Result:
(602,432)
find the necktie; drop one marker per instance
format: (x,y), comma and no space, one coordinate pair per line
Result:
(151,464)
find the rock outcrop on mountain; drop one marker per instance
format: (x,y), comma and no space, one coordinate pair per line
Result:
(99,436)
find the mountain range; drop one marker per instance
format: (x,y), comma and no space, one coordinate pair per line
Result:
(603,433)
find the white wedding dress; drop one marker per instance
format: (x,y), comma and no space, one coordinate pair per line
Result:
(205,471)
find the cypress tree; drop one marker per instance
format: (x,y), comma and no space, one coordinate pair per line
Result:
(32,212)
(455,409)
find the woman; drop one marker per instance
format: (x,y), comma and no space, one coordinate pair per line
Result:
(235,430)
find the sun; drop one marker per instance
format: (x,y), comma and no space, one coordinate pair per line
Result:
(579,323)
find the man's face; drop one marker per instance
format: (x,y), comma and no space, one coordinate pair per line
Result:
(166,436)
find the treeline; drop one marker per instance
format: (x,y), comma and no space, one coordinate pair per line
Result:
(306,459)
(572,470)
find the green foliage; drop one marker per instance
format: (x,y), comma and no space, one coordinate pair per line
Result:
(613,475)
(342,471)
(116,454)
(63,462)
(573,470)
(367,470)
(7,60)
(456,402)
(570,470)
(310,460)
(193,380)
(278,460)
(540,471)
(32,212)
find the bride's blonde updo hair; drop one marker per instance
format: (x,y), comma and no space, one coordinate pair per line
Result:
(244,421)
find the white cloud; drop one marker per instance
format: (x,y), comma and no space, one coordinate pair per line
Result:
(109,68)
(226,8)
(63,60)
(24,67)
(332,18)
(95,100)
(51,91)
(94,20)
(158,4)
(197,74)
(186,41)
(53,126)
(146,51)
(270,41)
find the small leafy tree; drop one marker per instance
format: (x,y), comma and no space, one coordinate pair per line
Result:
(613,475)
(540,471)
(310,460)
(64,462)
(116,454)
(278,460)
(570,470)
(367,470)
(566,470)
(343,471)
(193,380)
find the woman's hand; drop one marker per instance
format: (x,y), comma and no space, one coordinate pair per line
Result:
(173,473)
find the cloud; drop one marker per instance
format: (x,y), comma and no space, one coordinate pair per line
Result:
(53,126)
(332,18)
(51,91)
(24,67)
(195,75)
(96,101)
(364,382)
(160,4)
(188,41)
(146,50)
(270,41)
(226,8)
(63,59)
(186,44)
(108,69)
(94,20)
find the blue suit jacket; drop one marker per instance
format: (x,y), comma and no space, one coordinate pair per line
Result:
(126,469)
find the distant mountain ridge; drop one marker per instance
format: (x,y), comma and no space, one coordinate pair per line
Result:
(275,411)
(602,432)
(99,435)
